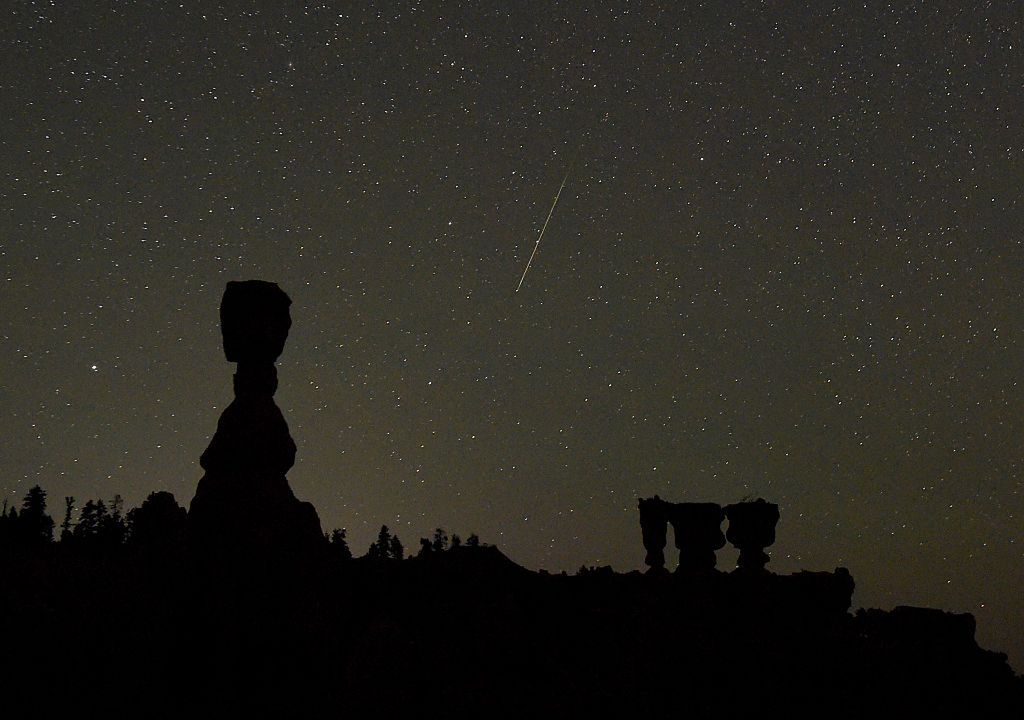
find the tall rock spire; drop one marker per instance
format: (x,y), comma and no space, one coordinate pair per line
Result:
(243,503)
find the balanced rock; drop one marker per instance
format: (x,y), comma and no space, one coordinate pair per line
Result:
(243,504)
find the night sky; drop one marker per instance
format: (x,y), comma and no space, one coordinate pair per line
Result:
(787,263)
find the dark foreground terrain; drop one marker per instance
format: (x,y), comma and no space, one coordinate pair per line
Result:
(152,633)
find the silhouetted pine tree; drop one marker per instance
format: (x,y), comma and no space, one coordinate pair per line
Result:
(339,545)
(67,524)
(395,549)
(426,548)
(380,549)
(112,528)
(34,526)
(386,547)
(159,522)
(89,517)
(440,542)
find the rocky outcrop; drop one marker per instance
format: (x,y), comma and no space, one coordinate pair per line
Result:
(751,530)
(243,504)
(698,533)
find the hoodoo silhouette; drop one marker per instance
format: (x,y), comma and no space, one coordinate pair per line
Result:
(751,530)
(243,608)
(698,533)
(244,503)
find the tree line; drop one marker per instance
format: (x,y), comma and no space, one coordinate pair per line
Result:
(160,522)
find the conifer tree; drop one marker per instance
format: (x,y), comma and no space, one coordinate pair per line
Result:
(395,549)
(440,543)
(66,525)
(158,523)
(339,545)
(381,548)
(35,526)
(88,521)
(112,526)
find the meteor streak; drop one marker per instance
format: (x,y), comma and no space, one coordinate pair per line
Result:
(545,227)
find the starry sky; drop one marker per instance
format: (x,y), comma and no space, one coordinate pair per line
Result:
(786,263)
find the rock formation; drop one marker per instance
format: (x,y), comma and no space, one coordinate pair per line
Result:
(696,527)
(751,530)
(698,532)
(243,504)
(654,526)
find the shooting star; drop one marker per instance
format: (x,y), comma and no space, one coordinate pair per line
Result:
(543,228)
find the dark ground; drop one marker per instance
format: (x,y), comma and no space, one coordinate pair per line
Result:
(128,631)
